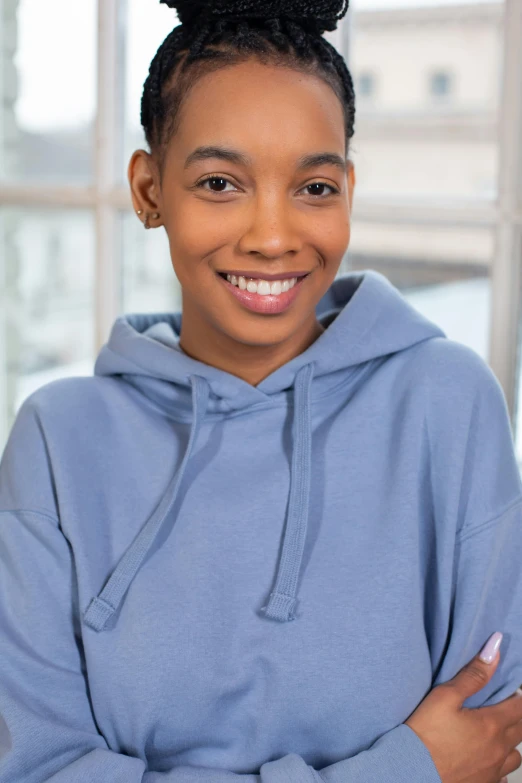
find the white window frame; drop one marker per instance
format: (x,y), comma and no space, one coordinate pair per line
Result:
(107,197)
(503,214)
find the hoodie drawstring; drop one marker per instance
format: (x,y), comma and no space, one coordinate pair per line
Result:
(102,607)
(282,600)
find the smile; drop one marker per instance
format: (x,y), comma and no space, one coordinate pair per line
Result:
(263,296)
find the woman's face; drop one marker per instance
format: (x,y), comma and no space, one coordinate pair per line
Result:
(254,208)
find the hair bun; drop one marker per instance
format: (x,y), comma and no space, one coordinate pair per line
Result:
(316,15)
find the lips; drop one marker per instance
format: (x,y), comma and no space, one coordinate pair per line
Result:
(269,304)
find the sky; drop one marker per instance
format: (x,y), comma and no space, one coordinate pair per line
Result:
(56,56)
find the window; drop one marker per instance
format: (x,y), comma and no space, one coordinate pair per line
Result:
(440,84)
(48,323)
(434,177)
(437,206)
(49,91)
(366,85)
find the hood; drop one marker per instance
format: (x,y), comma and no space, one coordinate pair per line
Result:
(366,319)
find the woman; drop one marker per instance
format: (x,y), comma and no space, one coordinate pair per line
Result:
(268,538)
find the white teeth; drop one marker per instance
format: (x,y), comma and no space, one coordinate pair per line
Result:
(262,287)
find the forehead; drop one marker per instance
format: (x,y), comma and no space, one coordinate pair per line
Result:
(265,110)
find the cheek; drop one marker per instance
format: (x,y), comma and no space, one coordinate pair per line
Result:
(329,232)
(197,230)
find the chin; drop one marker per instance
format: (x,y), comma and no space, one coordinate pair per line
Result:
(253,338)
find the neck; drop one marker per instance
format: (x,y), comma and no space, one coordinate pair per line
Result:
(251,363)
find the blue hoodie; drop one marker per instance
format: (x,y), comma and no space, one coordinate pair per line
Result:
(206,581)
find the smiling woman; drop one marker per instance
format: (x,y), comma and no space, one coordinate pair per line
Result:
(251,547)
(271,199)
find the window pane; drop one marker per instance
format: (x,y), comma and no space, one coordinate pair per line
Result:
(46,302)
(148,283)
(441,83)
(429,124)
(48,88)
(147,26)
(442,271)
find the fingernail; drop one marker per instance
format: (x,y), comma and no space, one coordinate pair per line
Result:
(489,651)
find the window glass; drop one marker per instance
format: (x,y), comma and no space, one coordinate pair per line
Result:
(443,271)
(48,88)
(46,302)
(148,280)
(432,127)
(440,84)
(365,85)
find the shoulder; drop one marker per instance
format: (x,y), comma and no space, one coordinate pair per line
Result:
(27,461)
(49,428)
(67,395)
(463,401)
(61,407)
(467,416)
(451,372)
(474,467)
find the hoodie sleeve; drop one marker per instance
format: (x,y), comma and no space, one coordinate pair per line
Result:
(47,729)
(478,490)
(396,757)
(488,598)
(48,732)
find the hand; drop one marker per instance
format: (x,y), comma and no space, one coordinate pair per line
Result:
(470,745)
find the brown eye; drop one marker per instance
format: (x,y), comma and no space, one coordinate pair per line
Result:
(221,184)
(321,186)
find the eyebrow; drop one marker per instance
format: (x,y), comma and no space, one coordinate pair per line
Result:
(234,156)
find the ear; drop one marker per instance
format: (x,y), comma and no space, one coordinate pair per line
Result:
(350,171)
(143,176)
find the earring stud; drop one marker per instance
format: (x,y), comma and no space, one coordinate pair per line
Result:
(139,212)
(155,216)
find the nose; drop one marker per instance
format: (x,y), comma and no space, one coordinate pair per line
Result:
(273,227)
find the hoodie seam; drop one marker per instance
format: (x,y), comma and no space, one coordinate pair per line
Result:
(464,532)
(469,532)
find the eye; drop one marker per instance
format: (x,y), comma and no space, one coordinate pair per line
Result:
(321,185)
(214,179)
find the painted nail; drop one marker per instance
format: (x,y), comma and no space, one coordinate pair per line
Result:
(490,649)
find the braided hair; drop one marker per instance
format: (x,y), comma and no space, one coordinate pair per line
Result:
(213,34)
